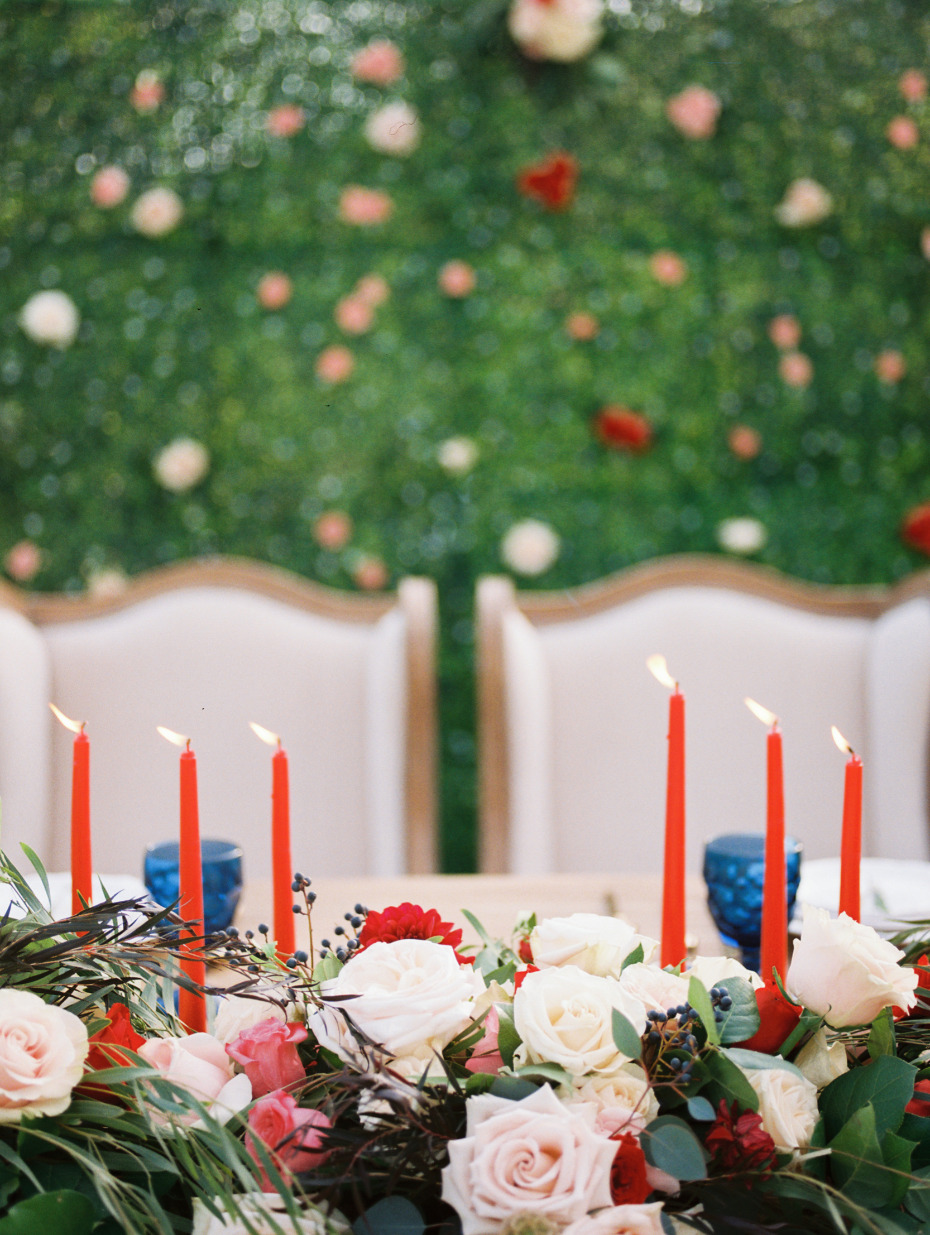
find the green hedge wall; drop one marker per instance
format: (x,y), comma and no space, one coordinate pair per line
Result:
(173,342)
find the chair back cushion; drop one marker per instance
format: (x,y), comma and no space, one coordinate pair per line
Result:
(26,724)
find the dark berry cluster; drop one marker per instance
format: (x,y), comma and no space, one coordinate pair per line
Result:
(671,1041)
(347,943)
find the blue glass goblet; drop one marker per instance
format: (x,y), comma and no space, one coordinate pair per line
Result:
(222,878)
(734,871)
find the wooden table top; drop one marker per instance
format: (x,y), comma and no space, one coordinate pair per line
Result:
(495,900)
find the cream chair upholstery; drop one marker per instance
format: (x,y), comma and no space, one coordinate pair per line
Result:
(573,727)
(203,648)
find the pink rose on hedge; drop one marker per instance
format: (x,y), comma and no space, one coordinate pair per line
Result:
(668,268)
(373,289)
(274,290)
(147,92)
(805,203)
(380,62)
(456,279)
(785,332)
(157,211)
(370,574)
(694,112)
(890,366)
(334,364)
(268,1055)
(285,120)
(23,561)
(364,207)
(903,133)
(353,315)
(913,85)
(582,326)
(796,369)
(42,1053)
(292,1134)
(744,441)
(333,529)
(486,1056)
(109,187)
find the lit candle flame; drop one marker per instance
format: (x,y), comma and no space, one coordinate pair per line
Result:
(659,669)
(840,741)
(761,713)
(177,738)
(265,734)
(76,726)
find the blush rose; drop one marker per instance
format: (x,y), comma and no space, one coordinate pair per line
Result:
(267,1053)
(42,1053)
(293,1135)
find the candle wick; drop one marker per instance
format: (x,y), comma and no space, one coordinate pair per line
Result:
(188,746)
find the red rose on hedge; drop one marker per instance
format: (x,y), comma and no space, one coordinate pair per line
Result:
(622,429)
(550,182)
(915,529)
(736,1142)
(408,921)
(628,1182)
(777,1018)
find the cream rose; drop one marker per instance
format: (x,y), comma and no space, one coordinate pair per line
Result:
(562,30)
(787,1105)
(236,1014)
(624,1101)
(741,535)
(530,547)
(394,129)
(413,998)
(621,1220)
(714,971)
(458,455)
(181,464)
(534,1156)
(595,943)
(156,212)
(199,1064)
(822,1059)
(846,972)
(50,318)
(655,988)
(42,1053)
(805,203)
(267,1216)
(564,1016)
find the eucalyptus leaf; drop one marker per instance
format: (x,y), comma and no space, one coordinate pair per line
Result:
(700,1109)
(670,1145)
(62,1212)
(512,1087)
(881,1039)
(699,999)
(741,1020)
(887,1084)
(725,1082)
(636,957)
(507,1037)
(626,1039)
(392,1215)
(758,1061)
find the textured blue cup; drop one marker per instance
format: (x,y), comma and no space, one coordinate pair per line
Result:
(734,871)
(222,878)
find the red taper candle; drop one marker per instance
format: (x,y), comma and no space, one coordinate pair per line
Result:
(673,950)
(282,867)
(82,866)
(774,942)
(851,839)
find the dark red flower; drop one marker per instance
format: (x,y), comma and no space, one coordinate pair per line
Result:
(105,1043)
(550,182)
(628,1182)
(525,950)
(777,1018)
(737,1142)
(624,430)
(922,1007)
(521,974)
(408,921)
(915,530)
(920,1103)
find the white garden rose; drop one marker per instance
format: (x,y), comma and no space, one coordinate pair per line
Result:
(743,535)
(805,202)
(535,1157)
(822,1059)
(181,464)
(845,972)
(594,942)
(156,212)
(655,988)
(413,999)
(643,1219)
(530,547)
(624,1101)
(42,1053)
(564,1016)
(562,30)
(236,1014)
(267,1216)
(714,970)
(458,455)
(787,1105)
(50,318)
(394,129)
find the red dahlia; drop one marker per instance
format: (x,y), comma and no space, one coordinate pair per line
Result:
(408,921)
(737,1142)
(551,182)
(628,1182)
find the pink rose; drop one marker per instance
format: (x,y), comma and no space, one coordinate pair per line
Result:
(582,326)
(486,1056)
(333,529)
(744,441)
(622,1220)
(373,289)
(353,315)
(157,211)
(268,1055)
(292,1134)
(147,92)
(109,187)
(380,63)
(42,1053)
(785,332)
(198,1063)
(23,561)
(913,85)
(890,366)
(370,574)
(795,369)
(668,268)
(334,364)
(285,120)
(456,279)
(535,1156)
(364,207)
(274,290)
(694,112)
(903,133)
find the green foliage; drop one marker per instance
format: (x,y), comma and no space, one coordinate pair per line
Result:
(670,1145)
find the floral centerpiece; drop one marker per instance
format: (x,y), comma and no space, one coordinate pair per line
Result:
(559,1083)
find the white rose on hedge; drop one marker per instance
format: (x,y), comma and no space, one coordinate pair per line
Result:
(846,972)
(394,129)
(787,1105)
(822,1059)
(805,203)
(458,455)
(594,942)
(156,212)
(645,1219)
(564,1016)
(742,535)
(530,547)
(562,30)
(624,1101)
(42,1053)
(535,1157)
(50,318)
(182,464)
(413,999)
